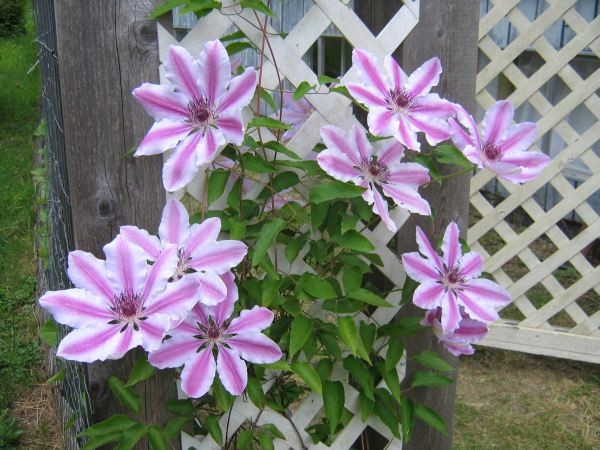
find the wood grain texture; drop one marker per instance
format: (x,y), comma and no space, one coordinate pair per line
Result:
(105,49)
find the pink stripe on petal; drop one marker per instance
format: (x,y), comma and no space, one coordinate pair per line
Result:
(451,245)
(382,121)
(219,257)
(163,135)
(255,347)
(231,126)
(337,165)
(476,308)
(496,121)
(458,348)
(518,138)
(459,136)
(429,296)
(487,292)
(531,160)
(419,268)
(408,198)
(153,329)
(144,240)
(215,70)
(424,78)
(395,72)
(470,331)
(182,71)
(431,105)
(380,207)
(390,153)
(471,265)
(405,135)
(75,307)
(199,373)
(450,312)
(88,272)
(366,95)
(126,265)
(223,310)
(91,344)
(176,300)
(161,102)
(251,321)
(159,273)
(175,351)
(209,145)
(337,139)
(365,149)
(410,174)
(212,288)
(232,371)
(241,90)
(436,130)
(175,223)
(181,166)
(202,234)
(427,250)
(368,71)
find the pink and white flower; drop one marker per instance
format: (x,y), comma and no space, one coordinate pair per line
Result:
(451,282)
(119,303)
(208,329)
(349,156)
(196,246)
(501,146)
(202,113)
(457,342)
(294,113)
(401,105)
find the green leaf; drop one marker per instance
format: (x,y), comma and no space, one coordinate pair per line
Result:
(407,417)
(361,374)
(311,168)
(174,426)
(237,228)
(265,440)
(325,79)
(266,97)
(235,195)
(165,8)
(131,436)
(257,164)
(266,238)
(268,122)
(430,379)
(353,240)
(223,399)
(49,333)
(432,418)
(244,440)
(280,148)
(285,180)
(236,47)
(217,181)
(157,438)
(126,395)
(270,289)
(333,400)
(408,290)
(394,353)
(299,333)
(449,154)
(214,428)
(334,190)
(430,359)
(330,343)
(294,246)
(324,368)
(309,375)
(318,287)
(318,214)
(141,371)
(366,296)
(199,6)
(56,377)
(391,379)
(351,337)
(427,162)
(348,222)
(406,326)
(302,89)
(278,365)
(99,441)
(366,406)
(343,90)
(255,392)
(117,423)
(273,430)
(351,278)
(258,6)
(233,36)
(385,410)
(181,407)
(367,335)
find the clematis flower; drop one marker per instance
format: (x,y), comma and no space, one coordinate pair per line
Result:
(400,105)
(349,156)
(207,330)
(197,248)
(501,146)
(119,303)
(457,342)
(202,113)
(451,282)
(294,113)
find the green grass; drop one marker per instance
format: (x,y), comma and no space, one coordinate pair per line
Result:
(19,103)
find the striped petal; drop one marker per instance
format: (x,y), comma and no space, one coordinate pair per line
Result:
(208,147)
(136,236)
(175,223)
(201,234)
(380,207)
(161,102)
(451,245)
(496,121)
(251,321)
(382,121)
(255,347)
(368,71)
(518,138)
(180,168)
(419,268)
(164,135)
(471,265)
(230,124)
(337,139)
(212,288)
(407,197)
(182,71)
(176,300)
(175,351)
(232,371)
(429,295)
(481,298)
(153,330)
(450,312)
(427,250)
(199,373)
(219,257)
(435,130)
(397,76)
(240,92)
(76,308)
(409,174)
(223,310)
(337,165)
(126,265)
(406,135)
(366,95)
(214,69)
(159,273)
(89,273)
(424,78)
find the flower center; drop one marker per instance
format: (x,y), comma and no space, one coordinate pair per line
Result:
(374,171)
(400,99)
(452,278)
(200,111)
(127,307)
(491,151)
(213,333)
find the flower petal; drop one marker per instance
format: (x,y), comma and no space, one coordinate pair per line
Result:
(240,92)
(382,121)
(460,137)
(368,71)
(232,371)
(424,78)
(358,135)
(202,234)
(161,102)
(337,139)
(429,295)
(182,71)
(380,207)
(175,223)
(470,331)
(390,153)
(518,138)
(215,70)
(496,120)
(409,174)
(419,268)
(164,135)
(199,373)
(223,310)
(436,130)
(126,265)
(175,351)
(219,257)
(397,76)
(405,196)
(255,347)
(406,135)
(366,95)
(450,312)
(176,300)
(76,308)
(230,124)
(431,105)
(427,250)
(148,243)
(251,321)
(181,166)
(88,272)
(531,163)
(159,273)
(153,330)
(481,298)
(471,265)
(208,147)
(212,288)
(451,245)
(337,165)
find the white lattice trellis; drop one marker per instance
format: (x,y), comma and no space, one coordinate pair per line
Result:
(534,333)
(329,109)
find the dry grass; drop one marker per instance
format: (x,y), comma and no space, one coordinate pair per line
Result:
(510,400)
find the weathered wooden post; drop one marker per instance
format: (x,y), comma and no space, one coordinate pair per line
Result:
(448,30)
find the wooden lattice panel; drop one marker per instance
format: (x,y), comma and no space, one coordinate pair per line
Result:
(329,109)
(552,319)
